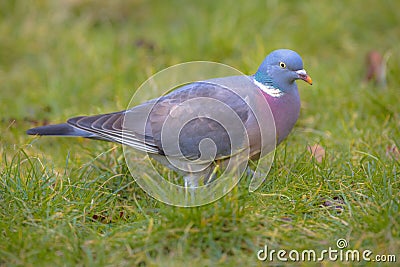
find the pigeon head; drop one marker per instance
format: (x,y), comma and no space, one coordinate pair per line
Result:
(280,69)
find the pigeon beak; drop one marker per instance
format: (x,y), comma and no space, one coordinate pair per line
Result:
(304,76)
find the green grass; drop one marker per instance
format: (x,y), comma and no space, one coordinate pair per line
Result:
(73,202)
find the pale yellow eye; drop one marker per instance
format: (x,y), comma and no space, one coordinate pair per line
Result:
(282,65)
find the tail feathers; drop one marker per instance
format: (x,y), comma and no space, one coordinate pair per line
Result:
(63,129)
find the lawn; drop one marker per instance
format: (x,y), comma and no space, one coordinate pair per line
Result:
(68,202)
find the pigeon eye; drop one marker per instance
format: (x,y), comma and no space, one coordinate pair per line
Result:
(282,65)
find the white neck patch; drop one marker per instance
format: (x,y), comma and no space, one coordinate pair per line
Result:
(270,90)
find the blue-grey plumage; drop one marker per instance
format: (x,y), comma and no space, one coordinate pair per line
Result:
(63,129)
(271,90)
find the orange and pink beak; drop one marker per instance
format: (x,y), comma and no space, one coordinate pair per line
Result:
(304,76)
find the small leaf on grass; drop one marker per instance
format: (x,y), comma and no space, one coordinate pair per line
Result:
(286,219)
(393,151)
(317,151)
(101,218)
(376,68)
(336,203)
(146,44)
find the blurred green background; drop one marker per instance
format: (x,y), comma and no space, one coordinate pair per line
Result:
(60,59)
